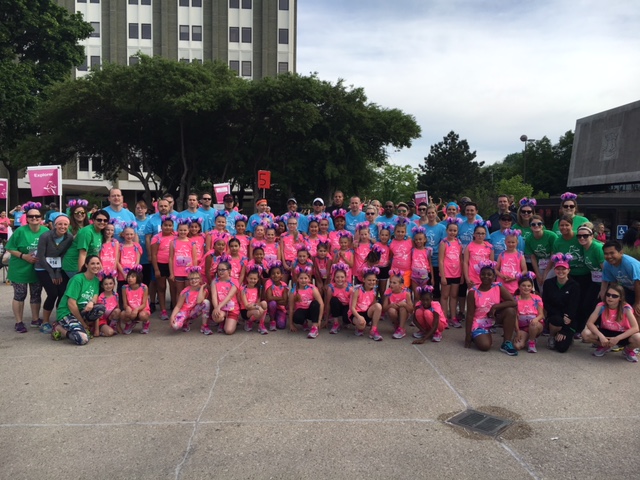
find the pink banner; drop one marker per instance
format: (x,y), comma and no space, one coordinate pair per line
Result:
(4,188)
(221,190)
(421,197)
(45,182)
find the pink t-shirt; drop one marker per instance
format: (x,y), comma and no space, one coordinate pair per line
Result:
(451,261)
(182,256)
(223,287)
(342,294)
(510,265)
(420,259)
(199,242)
(110,303)
(348,255)
(484,301)
(401,250)
(365,298)
(271,252)
(323,265)
(478,252)
(527,309)
(438,309)
(306,296)
(360,253)
(608,319)
(191,298)
(396,297)
(135,297)
(251,294)
(334,240)
(107,255)
(164,242)
(384,256)
(220,235)
(129,255)
(277,291)
(290,246)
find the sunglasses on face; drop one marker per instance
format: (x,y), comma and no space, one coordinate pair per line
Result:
(568,206)
(536,224)
(526,212)
(33,216)
(583,235)
(100,220)
(80,213)
(206,199)
(612,295)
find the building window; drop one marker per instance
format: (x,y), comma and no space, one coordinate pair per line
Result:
(184,60)
(83,163)
(234,34)
(197,60)
(94,1)
(235,66)
(146,31)
(133,2)
(246,69)
(184,32)
(145,2)
(246,4)
(184,3)
(196,3)
(82,1)
(283,36)
(234,3)
(96,29)
(96,163)
(246,34)
(133,30)
(134,60)
(283,5)
(283,67)
(84,67)
(196,33)
(95,62)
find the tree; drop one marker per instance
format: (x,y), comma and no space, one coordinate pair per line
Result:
(38,47)
(450,168)
(393,182)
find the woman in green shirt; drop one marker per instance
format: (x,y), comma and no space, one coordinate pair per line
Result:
(79,304)
(540,246)
(87,242)
(594,260)
(23,245)
(569,206)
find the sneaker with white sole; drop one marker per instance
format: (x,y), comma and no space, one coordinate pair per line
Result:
(272,326)
(358,332)
(630,355)
(164,315)
(313,333)
(262,330)
(145,327)
(601,351)
(375,335)
(399,333)
(248,326)
(205,330)
(335,329)
(418,334)
(128,328)
(531,347)
(455,323)
(437,337)
(508,348)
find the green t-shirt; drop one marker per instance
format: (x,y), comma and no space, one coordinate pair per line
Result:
(24,240)
(577,221)
(540,247)
(81,290)
(575,249)
(86,239)
(526,231)
(594,257)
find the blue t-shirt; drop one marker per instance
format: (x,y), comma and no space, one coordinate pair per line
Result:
(497,239)
(122,217)
(626,274)
(142,226)
(207,216)
(465,233)
(353,220)
(435,234)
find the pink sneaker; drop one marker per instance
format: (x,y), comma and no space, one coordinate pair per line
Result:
(399,333)
(205,330)
(375,335)
(313,333)
(358,333)
(272,326)
(262,330)
(335,329)
(437,337)
(145,327)
(531,346)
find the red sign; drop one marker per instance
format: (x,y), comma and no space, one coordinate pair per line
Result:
(45,181)
(264,179)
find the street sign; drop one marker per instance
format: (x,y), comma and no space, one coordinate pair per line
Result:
(621,230)
(264,179)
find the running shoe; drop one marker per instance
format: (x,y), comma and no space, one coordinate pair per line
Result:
(375,335)
(617,348)
(508,348)
(630,355)
(531,347)
(399,333)
(358,332)
(187,327)
(437,337)
(221,327)
(600,351)
(56,335)
(145,327)
(272,326)
(36,323)
(305,326)
(455,323)
(418,334)
(164,315)
(262,330)
(128,328)
(551,342)
(335,329)
(577,336)
(205,330)
(313,333)
(248,326)
(20,328)
(46,328)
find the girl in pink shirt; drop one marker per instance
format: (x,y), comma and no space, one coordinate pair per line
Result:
(130,251)
(400,250)
(382,247)
(198,239)
(397,303)
(450,263)
(212,258)
(365,309)
(277,297)
(339,223)
(226,309)
(252,307)
(313,239)
(135,302)
(530,314)
(305,303)
(241,228)
(430,318)
(192,303)
(110,250)
(345,253)
(271,247)
(259,230)
(160,246)
(420,260)
(322,265)
(219,231)
(108,324)
(236,260)
(289,243)
(182,254)
(362,249)
(258,262)
(476,252)
(338,298)
(511,262)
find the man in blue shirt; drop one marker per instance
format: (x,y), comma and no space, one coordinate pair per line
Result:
(354,216)
(621,269)
(116,210)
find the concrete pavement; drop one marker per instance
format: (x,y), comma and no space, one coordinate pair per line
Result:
(181,405)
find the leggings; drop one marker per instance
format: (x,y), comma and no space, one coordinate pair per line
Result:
(54,292)
(312,313)
(277,315)
(20,292)
(199,309)
(338,310)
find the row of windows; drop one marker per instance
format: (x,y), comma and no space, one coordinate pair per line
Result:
(246,4)
(194,3)
(93,62)
(90,1)
(196,33)
(140,31)
(283,67)
(142,2)
(234,35)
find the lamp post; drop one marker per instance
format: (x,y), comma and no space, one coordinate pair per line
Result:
(526,140)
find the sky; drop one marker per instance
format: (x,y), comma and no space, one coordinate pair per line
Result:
(491,70)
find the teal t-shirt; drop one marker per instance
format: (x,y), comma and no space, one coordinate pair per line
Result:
(81,290)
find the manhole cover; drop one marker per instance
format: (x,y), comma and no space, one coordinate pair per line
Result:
(480,422)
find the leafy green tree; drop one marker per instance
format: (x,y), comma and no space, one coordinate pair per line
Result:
(393,182)
(450,168)
(515,186)
(38,47)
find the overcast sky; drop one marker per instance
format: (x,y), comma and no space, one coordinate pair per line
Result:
(489,70)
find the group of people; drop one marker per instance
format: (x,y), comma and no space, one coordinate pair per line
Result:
(436,266)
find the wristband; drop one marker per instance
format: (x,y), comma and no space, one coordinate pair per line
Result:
(21,255)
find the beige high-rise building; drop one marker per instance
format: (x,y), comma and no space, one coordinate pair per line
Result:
(256,38)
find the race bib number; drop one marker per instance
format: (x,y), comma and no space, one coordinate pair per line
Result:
(596,277)
(54,262)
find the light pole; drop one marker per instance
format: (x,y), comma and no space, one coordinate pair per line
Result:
(526,140)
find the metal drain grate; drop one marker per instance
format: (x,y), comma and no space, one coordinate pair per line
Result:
(480,422)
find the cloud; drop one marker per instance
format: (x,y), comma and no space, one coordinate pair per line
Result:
(491,70)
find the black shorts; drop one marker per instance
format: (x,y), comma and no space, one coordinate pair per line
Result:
(243,314)
(384,273)
(462,291)
(453,281)
(164,269)
(610,334)
(181,279)
(365,315)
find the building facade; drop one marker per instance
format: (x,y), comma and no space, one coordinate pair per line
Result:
(256,38)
